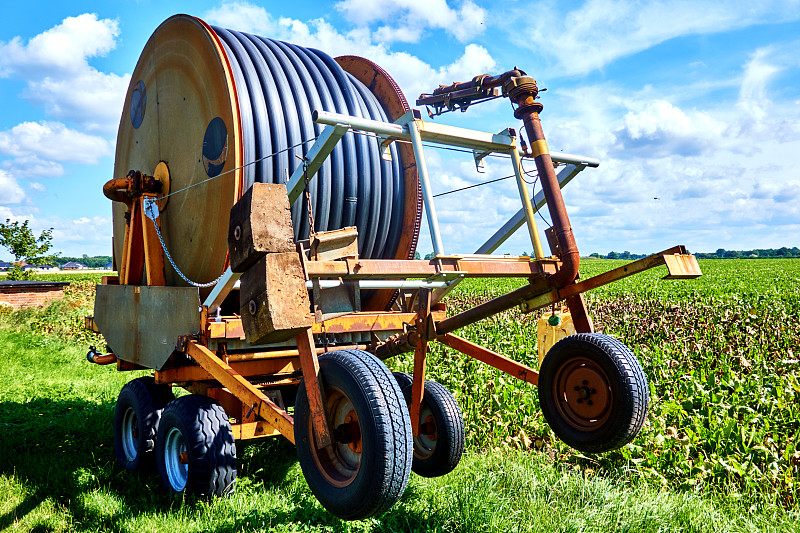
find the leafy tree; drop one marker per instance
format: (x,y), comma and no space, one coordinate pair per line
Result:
(23,245)
(612,255)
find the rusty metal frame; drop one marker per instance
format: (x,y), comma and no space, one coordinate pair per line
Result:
(500,362)
(423,325)
(250,395)
(680,265)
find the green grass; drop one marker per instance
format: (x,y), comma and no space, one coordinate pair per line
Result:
(717,452)
(57,474)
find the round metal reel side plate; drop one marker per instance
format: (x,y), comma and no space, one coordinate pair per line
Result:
(186,83)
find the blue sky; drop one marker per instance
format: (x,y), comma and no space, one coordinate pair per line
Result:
(695,103)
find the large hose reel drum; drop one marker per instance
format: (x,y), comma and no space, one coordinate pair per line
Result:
(223,109)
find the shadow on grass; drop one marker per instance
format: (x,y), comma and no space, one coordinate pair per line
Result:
(63,450)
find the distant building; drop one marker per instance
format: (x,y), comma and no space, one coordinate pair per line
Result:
(38,267)
(4,266)
(73,265)
(108,266)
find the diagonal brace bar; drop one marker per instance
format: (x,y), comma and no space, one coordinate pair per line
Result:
(315,157)
(680,264)
(516,221)
(245,391)
(500,362)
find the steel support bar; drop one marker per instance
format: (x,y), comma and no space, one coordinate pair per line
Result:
(316,401)
(442,134)
(314,158)
(249,368)
(382,284)
(571,159)
(428,131)
(221,289)
(500,362)
(427,194)
(515,222)
(420,356)
(494,306)
(245,391)
(360,322)
(551,297)
(470,268)
(153,254)
(253,430)
(130,272)
(527,208)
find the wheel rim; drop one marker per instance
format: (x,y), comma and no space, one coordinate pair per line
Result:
(130,434)
(582,393)
(425,443)
(176,460)
(340,462)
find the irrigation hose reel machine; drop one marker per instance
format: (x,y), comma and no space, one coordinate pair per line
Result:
(267,202)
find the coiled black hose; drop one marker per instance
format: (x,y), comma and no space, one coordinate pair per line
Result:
(278,86)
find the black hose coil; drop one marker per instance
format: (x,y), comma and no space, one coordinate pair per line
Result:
(278,86)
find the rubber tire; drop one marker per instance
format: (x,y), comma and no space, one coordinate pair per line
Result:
(450,436)
(403,379)
(628,391)
(147,400)
(385,433)
(208,438)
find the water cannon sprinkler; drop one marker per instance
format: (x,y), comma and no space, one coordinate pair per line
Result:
(482,88)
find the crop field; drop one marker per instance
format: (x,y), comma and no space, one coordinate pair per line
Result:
(719,450)
(721,357)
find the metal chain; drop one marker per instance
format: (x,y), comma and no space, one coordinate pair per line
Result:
(151,210)
(308,200)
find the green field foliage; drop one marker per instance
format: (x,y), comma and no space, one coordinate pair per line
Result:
(721,357)
(718,452)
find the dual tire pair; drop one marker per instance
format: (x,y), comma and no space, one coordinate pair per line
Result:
(189,438)
(366,469)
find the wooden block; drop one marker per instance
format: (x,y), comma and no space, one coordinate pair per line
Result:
(274,299)
(335,244)
(260,224)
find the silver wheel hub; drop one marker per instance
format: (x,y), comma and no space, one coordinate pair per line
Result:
(130,430)
(175,460)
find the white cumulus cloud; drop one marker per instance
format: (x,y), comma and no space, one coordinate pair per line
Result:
(53,141)
(55,66)
(601,31)
(661,129)
(242,16)
(405,20)
(10,191)
(31,166)
(410,72)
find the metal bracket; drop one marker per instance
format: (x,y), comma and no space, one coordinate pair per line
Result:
(479,156)
(386,142)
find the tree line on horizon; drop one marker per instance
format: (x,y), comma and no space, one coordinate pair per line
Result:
(721,253)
